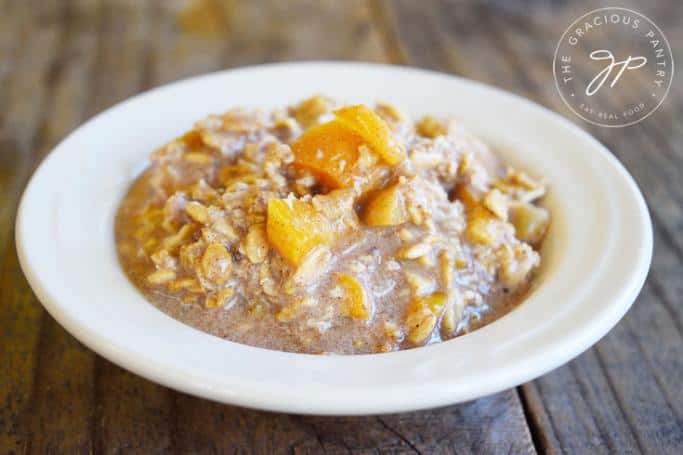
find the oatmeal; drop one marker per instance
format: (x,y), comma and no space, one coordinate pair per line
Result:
(325,228)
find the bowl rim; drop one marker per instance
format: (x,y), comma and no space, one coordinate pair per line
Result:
(380,398)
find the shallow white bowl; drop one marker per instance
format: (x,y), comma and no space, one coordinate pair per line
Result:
(595,258)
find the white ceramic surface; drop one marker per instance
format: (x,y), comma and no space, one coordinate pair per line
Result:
(595,258)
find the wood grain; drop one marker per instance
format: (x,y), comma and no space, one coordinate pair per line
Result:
(39,30)
(74,58)
(623,395)
(132,414)
(491,425)
(63,394)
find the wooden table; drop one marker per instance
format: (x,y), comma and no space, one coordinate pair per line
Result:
(63,61)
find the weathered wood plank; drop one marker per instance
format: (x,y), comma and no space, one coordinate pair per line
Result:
(611,398)
(645,399)
(132,414)
(587,405)
(63,405)
(270,31)
(490,425)
(190,39)
(648,402)
(665,277)
(624,395)
(38,30)
(24,69)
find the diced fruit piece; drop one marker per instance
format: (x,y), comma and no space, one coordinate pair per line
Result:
(516,264)
(354,302)
(386,208)
(294,228)
(480,226)
(468,196)
(530,222)
(375,131)
(422,315)
(329,151)
(497,203)
(192,140)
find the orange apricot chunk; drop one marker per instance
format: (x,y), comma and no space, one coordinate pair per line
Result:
(329,151)
(294,228)
(354,304)
(192,140)
(468,196)
(375,131)
(481,226)
(387,207)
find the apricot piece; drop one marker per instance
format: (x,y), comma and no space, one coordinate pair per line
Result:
(497,203)
(375,131)
(329,151)
(530,222)
(386,208)
(354,304)
(481,225)
(469,197)
(192,140)
(294,228)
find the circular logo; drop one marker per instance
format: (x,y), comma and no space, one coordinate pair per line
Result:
(613,67)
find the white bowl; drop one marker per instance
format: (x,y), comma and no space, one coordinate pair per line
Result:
(595,258)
